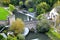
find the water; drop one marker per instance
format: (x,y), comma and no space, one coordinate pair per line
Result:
(40,36)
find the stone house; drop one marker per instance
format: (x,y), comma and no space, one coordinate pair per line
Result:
(28,18)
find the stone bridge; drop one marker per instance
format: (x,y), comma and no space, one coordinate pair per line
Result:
(31,24)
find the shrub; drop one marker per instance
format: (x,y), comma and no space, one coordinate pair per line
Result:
(53,34)
(20,3)
(31,10)
(2,38)
(43,26)
(40,17)
(20,37)
(56,4)
(11,38)
(6,2)
(58,20)
(11,7)
(43,7)
(29,3)
(17,26)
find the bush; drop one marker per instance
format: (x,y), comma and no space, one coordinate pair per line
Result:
(50,2)
(5,2)
(58,20)
(43,26)
(20,3)
(56,4)
(2,38)
(53,34)
(11,38)
(40,17)
(29,4)
(31,10)
(43,7)
(20,37)
(11,7)
(17,26)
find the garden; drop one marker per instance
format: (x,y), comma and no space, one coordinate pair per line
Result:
(30,20)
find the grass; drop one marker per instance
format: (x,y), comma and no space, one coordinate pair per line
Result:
(53,35)
(3,13)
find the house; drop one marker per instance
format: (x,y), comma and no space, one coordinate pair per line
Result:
(28,18)
(24,15)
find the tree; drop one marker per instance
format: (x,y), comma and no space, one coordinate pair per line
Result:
(43,26)
(20,37)
(50,2)
(43,7)
(9,37)
(17,26)
(29,4)
(37,2)
(31,10)
(56,4)
(14,2)
(11,7)
(5,2)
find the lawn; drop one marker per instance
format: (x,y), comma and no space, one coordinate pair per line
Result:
(3,13)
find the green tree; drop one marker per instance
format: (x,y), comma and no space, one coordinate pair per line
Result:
(50,2)
(41,16)
(31,10)
(20,37)
(11,37)
(20,4)
(43,7)
(56,4)
(37,1)
(29,3)
(5,2)
(11,7)
(15,2)
(43,26)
